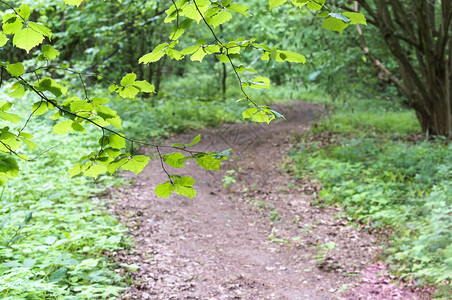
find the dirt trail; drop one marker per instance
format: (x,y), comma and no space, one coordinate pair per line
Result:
(258,238)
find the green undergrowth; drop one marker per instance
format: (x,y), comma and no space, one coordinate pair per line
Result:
(369,160)
(53,232)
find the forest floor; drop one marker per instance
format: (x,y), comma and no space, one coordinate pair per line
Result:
(258,236)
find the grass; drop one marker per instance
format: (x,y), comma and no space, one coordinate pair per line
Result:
(370,160)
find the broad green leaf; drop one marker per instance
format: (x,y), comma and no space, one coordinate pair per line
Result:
(3,39)
(155,55)
(208,162)
(117,141)
(41,29)
(276,3)
(144,86)
(128,92)
(40,108)
(223,58)
(191,12)
(173,159)
(242,9)
(300,3)
(5,105)
(51,85)
(114,165)
(16,69)
(136,164)
(13,118)
(18,90)
(95,170)
(81,105)
(334,24)
(58,275)
(27,38)
(8,166)
(260,82)
(186,191)
(198,55)
(63,127)
(49,52)
(316,4)
(29,143)
(249,112)
(100,100)
(184,181)
(355,18)
(11,24)
(73,2)
(293,57)
(220,18)
(164,190)
(115,121)
(128,79)
(24,11)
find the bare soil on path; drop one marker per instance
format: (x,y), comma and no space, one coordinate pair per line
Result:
(257,237)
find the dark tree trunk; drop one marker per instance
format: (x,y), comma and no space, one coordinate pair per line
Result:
(419,35)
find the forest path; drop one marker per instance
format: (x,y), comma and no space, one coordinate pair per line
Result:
(257,238)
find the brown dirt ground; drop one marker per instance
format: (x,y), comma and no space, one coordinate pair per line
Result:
(258,238)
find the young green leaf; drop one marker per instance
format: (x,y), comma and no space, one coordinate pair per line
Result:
(136,164)
(164,190)
(16,69)
(27,38)
(276,3)
(49,52)
(173,159)
(208,162)
(116,141)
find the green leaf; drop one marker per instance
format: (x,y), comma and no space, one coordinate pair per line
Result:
(27,38)
(51,85)
(316,4)
(40,29)
(128,79)
(173,159)
(58,275)
(40,108)
(355,18)
(164,190)
(117,141)
(136,164)
(63,127)
(114,165)
(242,9)
(13,118)
(24,11)
(196,140)
(220,18)
(144,86)
(3,39)
(334,24)
(8,167)
(95,170)
(185,181)
(73,2)
(276,3)
(198,55)
(300,3)
(11,24)
(49,52)
(155,55)
(293,57)
(260,82)
(16,69)
(208,162)
(186,191)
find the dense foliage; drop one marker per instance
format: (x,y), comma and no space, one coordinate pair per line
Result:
(370,161)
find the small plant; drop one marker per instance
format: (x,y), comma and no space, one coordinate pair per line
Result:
(229,179)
